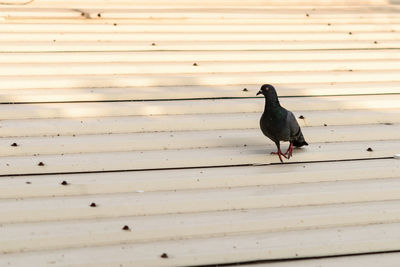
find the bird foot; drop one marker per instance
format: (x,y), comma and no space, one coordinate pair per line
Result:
(289,151)
(279,153)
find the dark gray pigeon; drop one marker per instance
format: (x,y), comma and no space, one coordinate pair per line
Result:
(278,123)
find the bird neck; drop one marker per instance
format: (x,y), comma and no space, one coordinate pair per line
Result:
(271,104)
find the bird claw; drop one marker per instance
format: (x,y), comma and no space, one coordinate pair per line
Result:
(279,153)
(286,155)
(289,151)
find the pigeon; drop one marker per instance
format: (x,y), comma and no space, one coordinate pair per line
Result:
(279,124)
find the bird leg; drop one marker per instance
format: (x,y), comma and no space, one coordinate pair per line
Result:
(279,152)
(289,151)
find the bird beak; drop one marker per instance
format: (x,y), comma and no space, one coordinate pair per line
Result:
(259,92)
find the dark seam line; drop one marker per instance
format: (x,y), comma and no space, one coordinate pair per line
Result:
(295,259)
(186,99)
(193,167)
(198,50)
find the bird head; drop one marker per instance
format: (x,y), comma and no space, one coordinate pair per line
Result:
(266,90)
(269,93)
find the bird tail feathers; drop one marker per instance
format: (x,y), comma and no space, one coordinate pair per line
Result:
(299,141)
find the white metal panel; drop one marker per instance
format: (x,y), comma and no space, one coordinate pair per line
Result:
(194,91)
(198,56)
(222,215)
(206,26)
(28,146)
(199,178)
(192,201)
(195,122)
(138,160)
(292,244)
(187,79)
(79,46)
(183,68)
(148,108)
(196,37)
(84,233)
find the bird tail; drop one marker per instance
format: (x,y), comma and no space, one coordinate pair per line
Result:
(299,141)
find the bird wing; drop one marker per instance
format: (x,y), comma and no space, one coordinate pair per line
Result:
(293,125)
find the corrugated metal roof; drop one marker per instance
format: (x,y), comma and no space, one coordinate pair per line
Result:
(127,138)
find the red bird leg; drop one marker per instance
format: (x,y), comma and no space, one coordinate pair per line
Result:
(289,151)
(279,152)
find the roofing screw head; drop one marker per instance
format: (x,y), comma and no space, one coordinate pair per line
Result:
(164,256)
